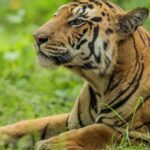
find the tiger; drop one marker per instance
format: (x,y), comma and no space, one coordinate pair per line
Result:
(108,47)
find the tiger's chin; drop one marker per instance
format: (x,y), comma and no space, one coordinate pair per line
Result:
(53,61)
(46,62)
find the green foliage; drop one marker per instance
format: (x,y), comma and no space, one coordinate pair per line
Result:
(27,90)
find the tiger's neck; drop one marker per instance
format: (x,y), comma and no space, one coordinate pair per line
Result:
(129,56)
(94,78)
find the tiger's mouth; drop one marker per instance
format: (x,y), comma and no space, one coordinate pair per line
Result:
(53,59)
(48,58)
(57,58)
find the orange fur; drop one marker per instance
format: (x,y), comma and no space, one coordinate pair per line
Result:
(111,52)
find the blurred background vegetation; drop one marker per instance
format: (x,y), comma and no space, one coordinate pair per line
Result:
(27,90)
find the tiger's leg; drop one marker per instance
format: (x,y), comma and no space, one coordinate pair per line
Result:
(43,128)
(93,137)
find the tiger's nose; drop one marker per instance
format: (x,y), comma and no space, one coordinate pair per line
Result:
(40,38)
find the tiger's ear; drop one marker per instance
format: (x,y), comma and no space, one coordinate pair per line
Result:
(128,22)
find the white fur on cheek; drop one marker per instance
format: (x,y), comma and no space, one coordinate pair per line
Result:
(104,54)
(45,62)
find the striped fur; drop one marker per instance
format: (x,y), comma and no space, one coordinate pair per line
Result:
(105,45)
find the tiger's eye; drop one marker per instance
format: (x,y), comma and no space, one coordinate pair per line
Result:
(75,22)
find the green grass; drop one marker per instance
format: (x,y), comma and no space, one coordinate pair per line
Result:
(27,90)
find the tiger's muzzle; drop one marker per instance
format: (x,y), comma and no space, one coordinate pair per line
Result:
(50,52)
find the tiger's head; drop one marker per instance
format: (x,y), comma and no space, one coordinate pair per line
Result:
(85,34)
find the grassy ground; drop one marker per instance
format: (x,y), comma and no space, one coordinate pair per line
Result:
(27,90)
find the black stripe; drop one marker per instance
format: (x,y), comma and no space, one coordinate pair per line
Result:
(84,16)
(141,37)
(113,76)
(88,66)
(74,4)
(100,120)
(78,10)
(64,58)
(124,91)
(90,6)
(84,10)
(105,45)
(91,44)
(107,62)
(90,114)
(94,1)
(138,77)
(93,99)
(81,43)
(67,123)
(95,35)
(87,57)
(136,50)
(148,37)
(75,36)
(121,102)
(131,115)
(79,38)
(112,84)
(84,7)
(43,135)
(145,124)
(97,19)
(108,4)
(70,42)
(98,57)
(109,31)
(79,115)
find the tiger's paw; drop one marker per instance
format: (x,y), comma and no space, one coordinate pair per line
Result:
(62,142)
(49,145)
(5,139)
(9,141)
